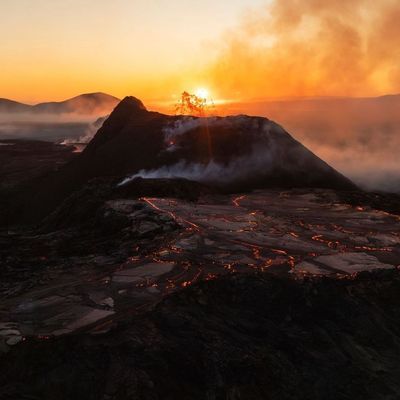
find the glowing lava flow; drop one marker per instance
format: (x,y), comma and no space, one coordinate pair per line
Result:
(254,228)
(368,248)
(236,200)
(150,202)
(193,280)
(333,244)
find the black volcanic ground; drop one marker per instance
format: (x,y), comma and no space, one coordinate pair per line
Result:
(269,277)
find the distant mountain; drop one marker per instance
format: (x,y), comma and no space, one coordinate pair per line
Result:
(91,103)
(84,104)
(11,106)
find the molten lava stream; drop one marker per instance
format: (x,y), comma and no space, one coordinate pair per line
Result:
(150,202)
(256,252)
(236,200)
(292,262)
(262,267)
(332,244)
(194,279)
(173,281)
(336,245)
(279,251)
(341,229)
(368,248)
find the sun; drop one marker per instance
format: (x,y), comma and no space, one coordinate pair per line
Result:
(202,93)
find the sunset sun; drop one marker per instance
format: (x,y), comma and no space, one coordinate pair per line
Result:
(202,93)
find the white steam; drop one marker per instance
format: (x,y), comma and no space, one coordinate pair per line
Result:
(181,126)
(87,136)
(237,169)
(264,155)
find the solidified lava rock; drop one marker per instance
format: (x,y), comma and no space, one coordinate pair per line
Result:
(237,337)
(389,202)
(23,164)
(84,207)
(237,153)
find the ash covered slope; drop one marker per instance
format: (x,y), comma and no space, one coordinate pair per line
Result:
(237,152)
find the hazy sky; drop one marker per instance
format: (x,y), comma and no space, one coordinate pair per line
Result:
(55,48)
(239,49)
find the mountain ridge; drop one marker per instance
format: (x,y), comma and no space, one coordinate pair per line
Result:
(86,103)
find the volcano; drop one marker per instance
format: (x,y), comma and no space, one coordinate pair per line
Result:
(233,154)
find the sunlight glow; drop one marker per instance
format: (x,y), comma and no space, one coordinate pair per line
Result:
(202,93)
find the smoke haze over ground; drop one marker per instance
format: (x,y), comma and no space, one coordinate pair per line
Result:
(44,126)
(74,119)
(359,137)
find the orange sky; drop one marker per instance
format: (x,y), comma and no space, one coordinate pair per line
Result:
(240,50)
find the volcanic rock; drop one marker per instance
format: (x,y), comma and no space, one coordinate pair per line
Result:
(240,337)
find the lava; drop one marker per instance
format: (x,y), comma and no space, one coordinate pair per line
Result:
(150,202)
(256,252)
(236,200)
(278,251)
(333,244)
(292,262)
(369,248)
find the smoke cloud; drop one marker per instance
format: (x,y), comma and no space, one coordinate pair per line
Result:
(313,47)
(358,137)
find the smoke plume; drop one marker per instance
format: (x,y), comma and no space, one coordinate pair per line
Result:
(358,137)
(313,47)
